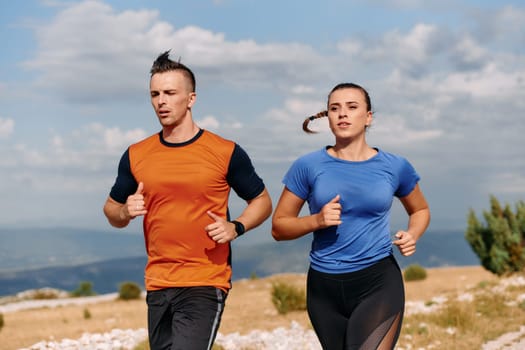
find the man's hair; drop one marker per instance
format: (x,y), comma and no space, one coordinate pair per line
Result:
(163,64)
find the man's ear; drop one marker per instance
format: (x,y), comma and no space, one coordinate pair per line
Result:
(192,98)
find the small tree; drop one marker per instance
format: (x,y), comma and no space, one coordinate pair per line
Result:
(499,243)
(129,290)
(286,297)
(414,272)
(84,289)
(87,314)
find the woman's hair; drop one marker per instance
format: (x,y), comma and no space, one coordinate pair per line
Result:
(163,64)
(325,113)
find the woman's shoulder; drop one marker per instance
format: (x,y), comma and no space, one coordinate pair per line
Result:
(394,161)
(312,156)
(390,156)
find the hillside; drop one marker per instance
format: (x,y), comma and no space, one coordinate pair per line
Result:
(248,308)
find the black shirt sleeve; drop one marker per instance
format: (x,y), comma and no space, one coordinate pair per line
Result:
(242,176)
(125,184)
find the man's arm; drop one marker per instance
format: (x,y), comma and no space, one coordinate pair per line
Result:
(115,214)
(257,210)
(120,214)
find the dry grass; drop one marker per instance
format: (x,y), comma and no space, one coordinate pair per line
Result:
(249,307)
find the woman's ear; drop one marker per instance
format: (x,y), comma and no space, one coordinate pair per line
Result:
(369,118)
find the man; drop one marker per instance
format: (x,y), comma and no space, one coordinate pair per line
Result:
(180,180)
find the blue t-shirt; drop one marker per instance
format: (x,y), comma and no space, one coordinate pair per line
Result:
(366,190)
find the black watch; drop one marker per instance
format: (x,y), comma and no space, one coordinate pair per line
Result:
(239,227)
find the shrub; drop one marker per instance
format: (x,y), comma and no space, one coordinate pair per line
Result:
(288,298)
(415,272)
(1,321)
(499,242)
(457,315)
(129,290)
(45,293)
(144,345)
(87,314)
(85,289)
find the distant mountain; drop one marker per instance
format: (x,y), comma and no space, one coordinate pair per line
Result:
(105,276)
(32,248)
(435,249)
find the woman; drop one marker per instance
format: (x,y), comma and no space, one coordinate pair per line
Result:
(355,292)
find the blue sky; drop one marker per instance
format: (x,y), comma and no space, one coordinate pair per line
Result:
(446,78)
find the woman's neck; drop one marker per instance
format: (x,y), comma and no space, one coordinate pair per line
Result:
(352,151)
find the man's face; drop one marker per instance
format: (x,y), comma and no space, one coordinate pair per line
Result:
(171,97)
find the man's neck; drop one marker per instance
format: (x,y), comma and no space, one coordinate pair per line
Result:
(180,133)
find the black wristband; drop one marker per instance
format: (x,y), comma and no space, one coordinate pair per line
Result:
(239,227)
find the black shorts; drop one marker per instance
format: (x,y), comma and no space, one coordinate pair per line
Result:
(185,318)
(357,310)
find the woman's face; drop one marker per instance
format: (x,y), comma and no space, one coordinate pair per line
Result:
(348,113)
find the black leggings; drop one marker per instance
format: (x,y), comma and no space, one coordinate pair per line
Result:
(357,310)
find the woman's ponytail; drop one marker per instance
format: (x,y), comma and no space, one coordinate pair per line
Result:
(309,119)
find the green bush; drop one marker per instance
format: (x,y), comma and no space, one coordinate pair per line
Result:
(499,242)
(129,290)
(414,272)
(87,314)
(288,298)
(85,289)
(44,294)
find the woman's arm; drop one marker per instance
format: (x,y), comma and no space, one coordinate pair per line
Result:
(418,220)
(287,225)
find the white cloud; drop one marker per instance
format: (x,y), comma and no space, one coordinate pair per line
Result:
(85,149)
(302,90)
(7,126)
(90,52)
(468,54)
(490,82)
(451,96)
(507,183)
(501,28)
(295,109)
(394,131)
(209,122)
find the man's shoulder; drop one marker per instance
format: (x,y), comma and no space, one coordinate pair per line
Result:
(146,144)
(149,139)
(216,142)
(209,135)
